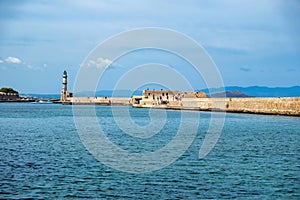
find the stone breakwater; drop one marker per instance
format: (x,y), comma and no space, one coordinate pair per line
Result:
(98,101)
(273,106)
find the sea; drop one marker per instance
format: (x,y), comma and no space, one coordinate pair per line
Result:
(43,156)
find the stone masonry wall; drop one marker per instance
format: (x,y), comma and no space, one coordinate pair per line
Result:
(282,106)
(99,100)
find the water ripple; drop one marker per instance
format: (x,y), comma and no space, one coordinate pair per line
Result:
(257,157)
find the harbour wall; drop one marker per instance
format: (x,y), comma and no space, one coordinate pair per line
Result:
(98,101)
(274,106)
(277,106)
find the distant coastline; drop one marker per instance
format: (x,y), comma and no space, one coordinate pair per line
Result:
(251,91)
(11,95)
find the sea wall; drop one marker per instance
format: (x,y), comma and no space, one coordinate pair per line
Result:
(98,101)
(277,106)
(274,106)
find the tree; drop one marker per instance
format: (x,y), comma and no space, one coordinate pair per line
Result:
(8,90)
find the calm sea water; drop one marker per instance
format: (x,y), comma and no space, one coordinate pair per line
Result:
(256,157)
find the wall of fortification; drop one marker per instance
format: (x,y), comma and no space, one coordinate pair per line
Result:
(279,106)
(99,100)
(289,106)
(283,106)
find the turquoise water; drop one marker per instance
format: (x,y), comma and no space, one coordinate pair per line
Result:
(256,157)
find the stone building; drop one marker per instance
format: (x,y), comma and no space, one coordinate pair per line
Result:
(9,96)
(165,97)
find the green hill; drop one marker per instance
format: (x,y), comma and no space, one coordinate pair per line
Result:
(8,90)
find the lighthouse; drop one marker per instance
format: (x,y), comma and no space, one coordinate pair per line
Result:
(65,76)
(64,92)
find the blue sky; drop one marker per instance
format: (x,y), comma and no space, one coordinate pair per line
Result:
(252,42)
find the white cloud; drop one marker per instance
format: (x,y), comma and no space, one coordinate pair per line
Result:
(98,63)
(13,60)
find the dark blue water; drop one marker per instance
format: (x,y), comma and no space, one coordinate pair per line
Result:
(256,157)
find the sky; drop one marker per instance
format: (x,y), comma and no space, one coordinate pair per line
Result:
(252,42)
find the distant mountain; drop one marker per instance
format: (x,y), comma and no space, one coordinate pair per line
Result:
(41,96)
(110,93)
(231,91)
(258,91)
(235,93)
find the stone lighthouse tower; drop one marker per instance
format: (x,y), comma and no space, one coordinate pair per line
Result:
(64,93)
